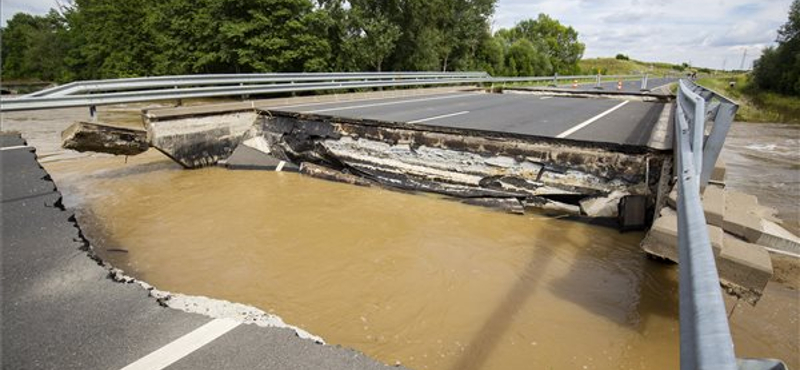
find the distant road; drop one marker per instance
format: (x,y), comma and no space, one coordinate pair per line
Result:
(627,86)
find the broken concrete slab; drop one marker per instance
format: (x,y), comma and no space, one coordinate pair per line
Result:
(199,140)
(325,173)
(776,237)
(104,138)
(744,268)
(463,163)
(247,158)
(662,239)
(718,174)
(740,218)
(672,198)
(714,205)
(510,205)
(607,206)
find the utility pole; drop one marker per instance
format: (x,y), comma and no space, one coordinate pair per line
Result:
(741,67)
(724,61)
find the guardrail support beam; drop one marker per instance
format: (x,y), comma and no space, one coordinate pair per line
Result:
(716,140)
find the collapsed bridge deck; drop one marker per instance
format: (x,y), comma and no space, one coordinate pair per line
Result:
(617,121)
(583,155)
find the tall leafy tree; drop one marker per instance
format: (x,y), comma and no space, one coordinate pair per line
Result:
(490,55)
(110,38)
(35,47)
(778,68)
(370,36)
(239,36)
(560,43)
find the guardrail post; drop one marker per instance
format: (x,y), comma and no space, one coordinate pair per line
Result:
(93,113)
(555,80)
(716,139)
(698,134)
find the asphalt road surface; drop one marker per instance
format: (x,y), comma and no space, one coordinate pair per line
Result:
(60,309)
(630,86)
(604,120)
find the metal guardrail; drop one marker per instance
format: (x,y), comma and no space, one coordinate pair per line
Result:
(95,86)
(133,90)
(704,332)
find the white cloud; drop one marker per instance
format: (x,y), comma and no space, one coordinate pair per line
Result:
(704,33)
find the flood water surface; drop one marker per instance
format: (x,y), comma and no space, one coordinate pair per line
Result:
(405,278)
(411,279)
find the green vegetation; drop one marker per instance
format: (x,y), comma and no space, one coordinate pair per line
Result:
(755,105)
(91,39)
(778,69)
(622,64)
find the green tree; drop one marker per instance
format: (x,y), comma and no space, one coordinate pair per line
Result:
(238,36)
(110,38)
(463,23)
(778,68)
(558,42)
(523,59)
(35,47)
(491,55)
(370,36)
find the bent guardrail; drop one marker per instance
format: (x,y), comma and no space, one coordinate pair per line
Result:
(156,82)
(705,336)
(145,89)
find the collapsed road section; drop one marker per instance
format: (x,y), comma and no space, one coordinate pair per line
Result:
(505,151)
(498,169)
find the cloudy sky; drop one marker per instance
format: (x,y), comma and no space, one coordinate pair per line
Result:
(709,33)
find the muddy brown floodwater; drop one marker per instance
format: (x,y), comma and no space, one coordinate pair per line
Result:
(414,279)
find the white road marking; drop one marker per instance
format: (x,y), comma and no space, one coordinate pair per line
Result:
(347,101)
(183,346)
(545,97)
(590,120)
(390,103)
(438,117)
(16,147)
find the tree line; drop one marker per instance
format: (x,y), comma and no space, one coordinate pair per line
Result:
(778,68)
(94,39)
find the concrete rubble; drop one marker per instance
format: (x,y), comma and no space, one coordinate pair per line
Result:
(204,135)
(742,233)
(502,171)
(103,138)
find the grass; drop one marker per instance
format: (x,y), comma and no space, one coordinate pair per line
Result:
(755,105)
(612,66)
